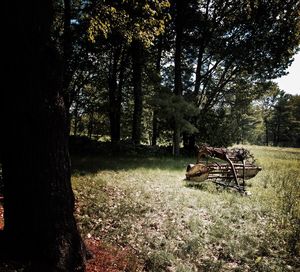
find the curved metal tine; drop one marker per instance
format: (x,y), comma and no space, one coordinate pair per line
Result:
(233,170)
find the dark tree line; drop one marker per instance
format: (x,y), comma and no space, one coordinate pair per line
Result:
(175,72)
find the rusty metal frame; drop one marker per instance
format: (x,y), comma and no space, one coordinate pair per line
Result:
(239,166)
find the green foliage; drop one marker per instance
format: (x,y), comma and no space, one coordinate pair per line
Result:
(229,46)
(142,20)
(285,122)
(254,34)
(173,108)
(229,51)
(278,113)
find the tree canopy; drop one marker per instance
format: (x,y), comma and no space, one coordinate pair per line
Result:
(214,54)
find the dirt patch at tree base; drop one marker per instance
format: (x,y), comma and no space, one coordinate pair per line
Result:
(108,258)
(105,258)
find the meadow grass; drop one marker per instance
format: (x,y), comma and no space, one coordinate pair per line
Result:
(144,203)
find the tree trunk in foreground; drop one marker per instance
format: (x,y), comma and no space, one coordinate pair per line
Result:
(38,198)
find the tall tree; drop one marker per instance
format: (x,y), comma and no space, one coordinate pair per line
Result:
(115,85)
(137,70)
(267,102)
(39,202)
(179,18)
(136,25)
(229,40)
(157,85)
(285,123)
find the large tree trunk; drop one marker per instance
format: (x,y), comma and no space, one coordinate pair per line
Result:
(38,198)
(112,88)
(178,70)
(157,86)
(122,69)
(115,92)
(137,69)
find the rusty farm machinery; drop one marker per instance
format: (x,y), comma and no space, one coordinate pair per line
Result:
(224,167)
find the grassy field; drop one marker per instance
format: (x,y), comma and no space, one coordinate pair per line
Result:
(145,205)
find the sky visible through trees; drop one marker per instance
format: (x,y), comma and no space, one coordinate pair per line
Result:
(291,82)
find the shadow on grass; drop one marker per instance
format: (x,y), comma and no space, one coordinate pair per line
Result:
(91,164)
(195,185)
(207,186)
(91,156)
(211,187)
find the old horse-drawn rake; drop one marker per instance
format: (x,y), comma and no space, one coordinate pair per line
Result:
(238,167)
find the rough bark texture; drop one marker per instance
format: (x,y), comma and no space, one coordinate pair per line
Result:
(137,69)
(38,198)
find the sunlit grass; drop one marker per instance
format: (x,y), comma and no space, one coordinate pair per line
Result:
(146,204)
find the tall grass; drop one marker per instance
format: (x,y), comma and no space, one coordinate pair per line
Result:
(281,177)
(144,203)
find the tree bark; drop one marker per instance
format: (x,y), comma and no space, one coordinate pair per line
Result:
(137,70)
(157,84)
(154,128)
(38,198)
(114,100)
(122,69)
(178,70)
